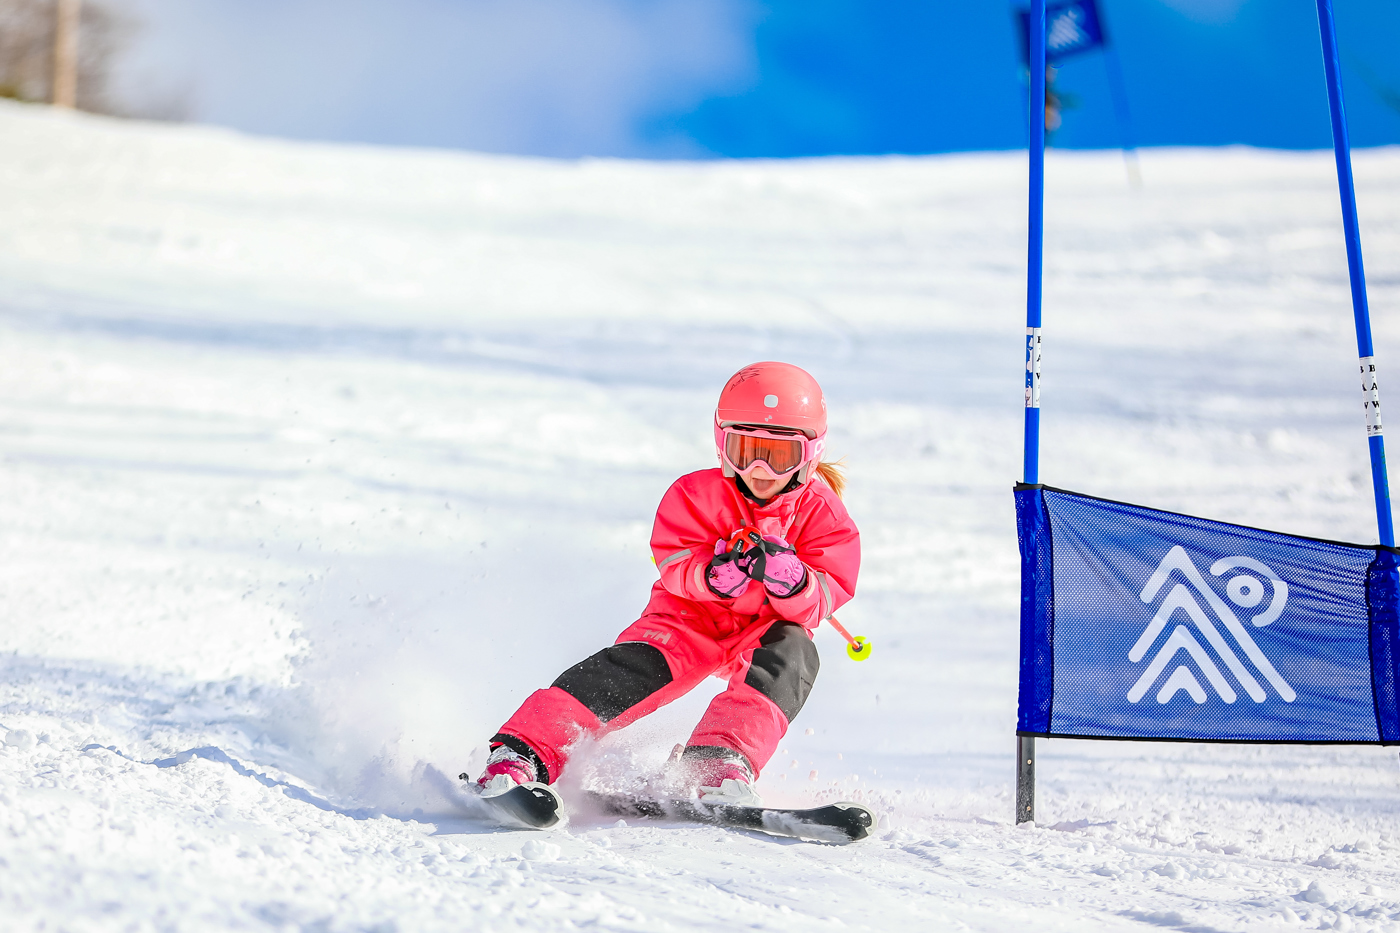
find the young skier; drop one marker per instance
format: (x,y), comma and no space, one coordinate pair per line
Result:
(753,555)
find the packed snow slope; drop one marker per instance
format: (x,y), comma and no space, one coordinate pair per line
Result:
(315,460)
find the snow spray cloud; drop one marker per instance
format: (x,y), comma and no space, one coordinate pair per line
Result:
(413,661)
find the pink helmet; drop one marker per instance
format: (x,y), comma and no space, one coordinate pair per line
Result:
(774,395)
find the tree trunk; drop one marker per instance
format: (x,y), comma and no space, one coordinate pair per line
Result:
(65,53)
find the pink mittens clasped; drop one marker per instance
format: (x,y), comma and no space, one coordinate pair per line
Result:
(725,576)
(783,573)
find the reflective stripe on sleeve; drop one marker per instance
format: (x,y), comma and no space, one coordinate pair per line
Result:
(676,556)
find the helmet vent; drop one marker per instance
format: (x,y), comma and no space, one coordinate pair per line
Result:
(770,401)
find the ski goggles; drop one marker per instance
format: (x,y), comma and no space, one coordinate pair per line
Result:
(782,452)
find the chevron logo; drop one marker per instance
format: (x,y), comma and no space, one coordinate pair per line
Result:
(1245,590)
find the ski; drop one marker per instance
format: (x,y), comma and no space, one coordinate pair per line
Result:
(525,806)
(836,822)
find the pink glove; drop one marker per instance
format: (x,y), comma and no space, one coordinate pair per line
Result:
(783,573)
(726,576)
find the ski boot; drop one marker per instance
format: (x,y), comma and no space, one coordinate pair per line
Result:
(506,768)
(718,776)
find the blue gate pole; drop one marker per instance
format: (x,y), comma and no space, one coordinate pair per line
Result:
(1036,240)
(1370,393)
(1025,745)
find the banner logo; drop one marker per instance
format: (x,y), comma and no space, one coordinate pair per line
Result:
(1071,27)
(1065,30)
(1244,590)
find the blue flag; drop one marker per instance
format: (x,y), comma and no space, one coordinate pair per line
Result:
(1071,27)
(1142,624)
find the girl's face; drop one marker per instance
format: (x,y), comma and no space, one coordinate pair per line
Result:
(763,483)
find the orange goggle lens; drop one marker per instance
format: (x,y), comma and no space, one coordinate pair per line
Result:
(782,456)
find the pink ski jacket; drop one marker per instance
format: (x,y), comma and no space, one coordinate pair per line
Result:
(701,508)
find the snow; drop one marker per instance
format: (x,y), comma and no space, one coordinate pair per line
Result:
(314,460)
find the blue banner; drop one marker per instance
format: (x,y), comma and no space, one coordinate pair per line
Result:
(1138,623)
(1071,27)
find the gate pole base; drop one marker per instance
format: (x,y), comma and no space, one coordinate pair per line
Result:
(1025,779)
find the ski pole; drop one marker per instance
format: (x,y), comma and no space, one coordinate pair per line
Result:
(856,646)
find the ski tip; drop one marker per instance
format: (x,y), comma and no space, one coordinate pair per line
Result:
(524,806)
(548,805)
(852,805)
(860,819)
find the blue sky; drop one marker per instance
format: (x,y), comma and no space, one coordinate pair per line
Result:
(745,78)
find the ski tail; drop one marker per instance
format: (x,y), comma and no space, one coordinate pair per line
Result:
(836,823)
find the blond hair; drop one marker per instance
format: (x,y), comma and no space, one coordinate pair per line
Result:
(834,475)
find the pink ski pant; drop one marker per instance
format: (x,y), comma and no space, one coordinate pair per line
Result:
(656,660)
